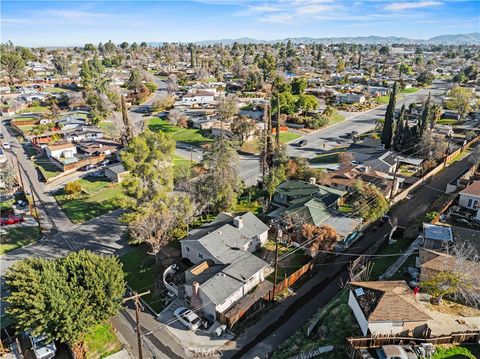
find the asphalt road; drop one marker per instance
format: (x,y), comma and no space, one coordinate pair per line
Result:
(331,137)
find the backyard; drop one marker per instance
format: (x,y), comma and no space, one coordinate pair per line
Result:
(187,135)
(381,264)
(99,196)
(335,322)
(13,238)
(143,273)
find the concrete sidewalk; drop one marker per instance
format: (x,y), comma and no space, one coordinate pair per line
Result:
(402,259)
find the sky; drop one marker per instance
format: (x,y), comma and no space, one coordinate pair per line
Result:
(73,23)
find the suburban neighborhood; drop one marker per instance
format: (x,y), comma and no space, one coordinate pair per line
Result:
(291,198)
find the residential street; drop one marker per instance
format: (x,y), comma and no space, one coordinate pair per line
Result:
(281,322)
(330,137)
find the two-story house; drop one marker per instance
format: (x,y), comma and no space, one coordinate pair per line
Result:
(224,268)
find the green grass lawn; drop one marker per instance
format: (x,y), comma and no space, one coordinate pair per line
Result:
(48,169)
(383,99)
(326,158)
(142,273)
(7,204)
(447,121)
(336,321)
(287,136)
(458,352)
(19,120)
(35,109)
(99,197)
(410,90)
(53,89)
(335,118)
(381,264)
(18,237)
(248,206)
(187,135)
(102,342)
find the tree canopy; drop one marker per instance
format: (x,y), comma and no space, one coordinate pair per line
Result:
(64,298)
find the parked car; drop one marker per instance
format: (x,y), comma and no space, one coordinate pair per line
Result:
(396,352)
(88,167)
(11,220)
(41,347)
(302,143)
(188,318)
(6,145)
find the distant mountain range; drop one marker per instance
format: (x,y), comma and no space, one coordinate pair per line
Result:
(464,39)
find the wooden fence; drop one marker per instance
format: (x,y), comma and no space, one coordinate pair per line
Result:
(472,336)
(289,281)
(441,166)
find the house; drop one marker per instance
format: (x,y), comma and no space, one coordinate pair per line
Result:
(225,269)
(386,162)
(96,148)
(61,150)
(350,98)
(200,97)
(115,172)
(367,149)
(314,204)
(434,262)
(436,236)
(387,307)
(470,197)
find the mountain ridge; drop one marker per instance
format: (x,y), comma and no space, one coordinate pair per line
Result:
(449,39)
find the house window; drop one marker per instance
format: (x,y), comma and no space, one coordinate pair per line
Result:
(200,255)
(397,324)
(469,203)
(187,249)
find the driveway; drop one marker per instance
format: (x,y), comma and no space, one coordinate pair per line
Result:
(199,341)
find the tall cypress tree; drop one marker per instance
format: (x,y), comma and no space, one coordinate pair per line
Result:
(424,119)
(387,132)
(399,137)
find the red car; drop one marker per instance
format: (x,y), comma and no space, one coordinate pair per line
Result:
(11,220)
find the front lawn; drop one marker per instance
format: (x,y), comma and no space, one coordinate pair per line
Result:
(17,237)
(142,273)
(335,323)
(102,342)
(35,109)
(187,135)
(99,196)
(287,136)
(383,99)
(326,158)
(48,169)
(447,121)
(335,118)
(409,90)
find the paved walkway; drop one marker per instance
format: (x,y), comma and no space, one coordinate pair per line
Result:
(402,259)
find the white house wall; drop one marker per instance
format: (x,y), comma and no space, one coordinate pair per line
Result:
(357,311)
(464,198)
(386,327)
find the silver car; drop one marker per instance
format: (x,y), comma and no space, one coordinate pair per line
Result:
(188,318)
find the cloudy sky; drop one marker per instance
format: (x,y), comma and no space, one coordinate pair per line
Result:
(61,23)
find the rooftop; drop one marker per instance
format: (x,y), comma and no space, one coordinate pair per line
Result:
(437,232)
(388,301)
(472,190)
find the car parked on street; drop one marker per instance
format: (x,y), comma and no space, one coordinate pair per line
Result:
(11,220)
(302,143)
(188,318)
(6,145)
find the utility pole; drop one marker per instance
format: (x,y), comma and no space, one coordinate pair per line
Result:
(279,235)
(138,306)
(20,174)
(394,178)
(446,152)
